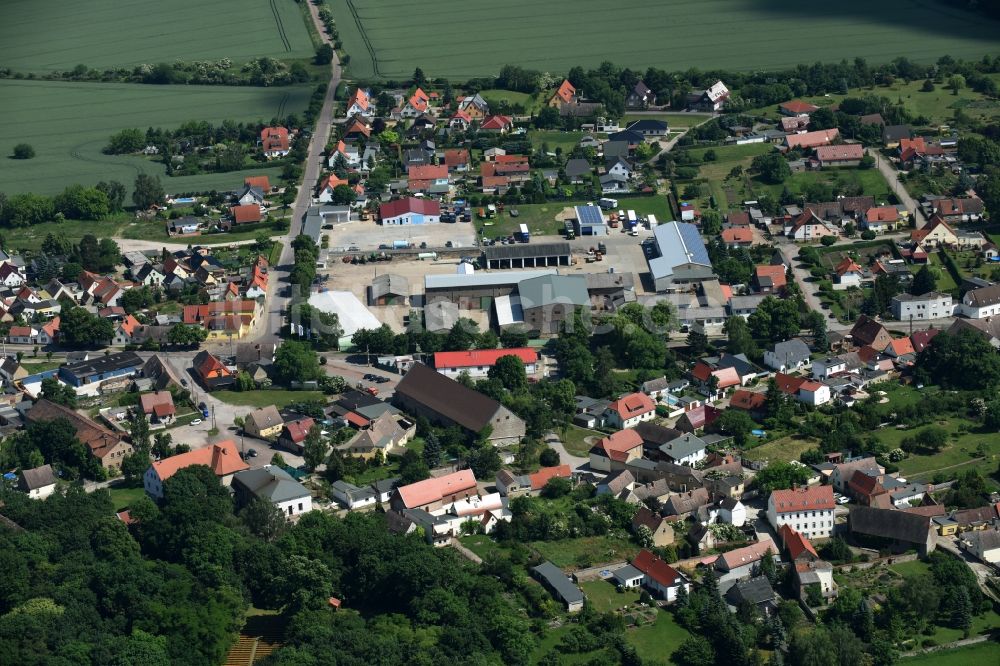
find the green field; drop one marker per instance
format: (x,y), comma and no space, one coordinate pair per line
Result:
(784,449)
(605,597)
(388,38)
(263,398)
(585,551)
(69,123)
(104,34)
(659,640)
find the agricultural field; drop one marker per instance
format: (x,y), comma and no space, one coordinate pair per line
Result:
(784,449)
(103,34)
(388,38)
(982,653)
(68,124)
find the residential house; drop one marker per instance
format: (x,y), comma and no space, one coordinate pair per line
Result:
(212,372)
(684,504)
(435,493)
(640,96)
(659,578)
(222,457)
(770,278)
(618,483)
(788,356)
(892,135)
(932,305)
(753,402)
(560,585)
(867,331)
(577,170)
(352,496)
(359,104)
(649,128)
(935,233)
(979,303)
(844,155)
(425,392)
(880,219)
(661,532)
(732,511)
(474,106)
(735,237)
(808,226)
(294,433)
(428,179)
(797,107)
(264,423)
(511,485)
(842,472)
(697,418)
(847,274)
(812,139)
(740,563)
(37,482)
(497,124)
(457,159)
(757,592)
(125,330)
(565,94)
(630,410)
(272,484)
(386,433)
(686,449)
(614,451)
(806,510)
(274,142)
(712,98)
(328,186)
(984,544)
(477,363)
(245,214)
(158,407)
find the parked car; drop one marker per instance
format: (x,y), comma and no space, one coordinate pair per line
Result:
(196,422)
(252,453)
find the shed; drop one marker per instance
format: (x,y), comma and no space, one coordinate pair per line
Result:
(560,585)
(389,289)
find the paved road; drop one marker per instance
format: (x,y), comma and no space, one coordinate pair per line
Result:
(269,325)
(565,457)
(891,176)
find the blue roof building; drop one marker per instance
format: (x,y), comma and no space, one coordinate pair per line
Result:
(590,221)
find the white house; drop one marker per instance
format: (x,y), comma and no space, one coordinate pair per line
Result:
(827,367)
(477,363)
(981,303)
(660,578)
(275,485)
(630,410)
(787,356)
(684,450)
(984,544)
(808,511)
(352,496)
(814,393)
(733,512)
(39,482)
(221,457)
(933,305)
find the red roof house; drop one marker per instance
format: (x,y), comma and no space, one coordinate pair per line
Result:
(245,214)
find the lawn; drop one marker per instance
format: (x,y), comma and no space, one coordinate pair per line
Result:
(868,181)
(982,653)
(659,640)
(103,34)
(585,551)
(68,124)
(277,397)
(503,101)
(910,569)
(962,449)
(33,366)
(784,449)
(123,497)
(567,141)
(574,439)
(604,595)
(481,545)
(388,38)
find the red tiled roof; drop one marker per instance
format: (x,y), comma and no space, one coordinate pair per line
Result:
(789,384)
(901,346)
(160,403)
(748,554)
(20,332)
(748,400)
(657,569)
(482,357)
(795,543)
(739,218)
(432,490)
(263,182)
(798,107)
(274,138)
(776,273)
(331,182)
(844,153)
(409,205)
(496,123)
(882,214)
(813,498)
(921,339)
(298,430)
(632,405)
(542,476)
(565,92)
(359,97)
(419,99)
(847,266)
(358,127)
(737,235)
(222,457)
(456,157)
(617,445)
(812,139)
(428,172)
(245,213)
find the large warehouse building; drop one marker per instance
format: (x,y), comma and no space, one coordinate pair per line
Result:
(681,257)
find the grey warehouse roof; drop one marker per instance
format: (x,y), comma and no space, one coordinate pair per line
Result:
(679,243)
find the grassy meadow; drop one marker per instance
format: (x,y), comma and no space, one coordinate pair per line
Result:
(103,34)
(68,124)
(388,38)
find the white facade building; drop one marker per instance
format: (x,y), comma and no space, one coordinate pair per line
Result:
(808,511)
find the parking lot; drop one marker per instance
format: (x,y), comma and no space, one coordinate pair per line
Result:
(368,236)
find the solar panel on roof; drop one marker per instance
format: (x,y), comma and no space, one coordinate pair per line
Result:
(694,243)
(589,215)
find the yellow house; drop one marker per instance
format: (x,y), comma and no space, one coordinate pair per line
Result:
(223,328)
(935,233)
(265,423)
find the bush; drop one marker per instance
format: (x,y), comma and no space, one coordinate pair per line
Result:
(23,151)
(827,241)
(867,234)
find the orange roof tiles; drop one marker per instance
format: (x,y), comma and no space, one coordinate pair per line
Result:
(632,405)
(813,498)
(433,490)
(617,445)
(222,458)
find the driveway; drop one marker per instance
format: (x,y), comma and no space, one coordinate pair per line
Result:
(891,176)
(576,463)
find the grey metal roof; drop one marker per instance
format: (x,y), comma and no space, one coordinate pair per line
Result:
(628,572)
(527,250)
(678,243)
(390,283)
(271,483)
(550,289)
(559,582)
(682,447)
(477,280)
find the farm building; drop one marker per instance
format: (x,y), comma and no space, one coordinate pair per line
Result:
(477,362)
(550,300)
(475,290)
(681,257)
(389,289)
(561,586)
(410,211)
(352,313)
(590,221)
(317,216)
(530,255)
(845,155)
